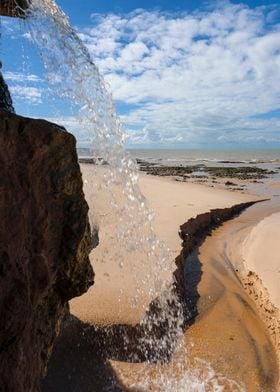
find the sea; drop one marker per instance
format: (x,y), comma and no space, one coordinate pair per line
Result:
(266,159)
(263,158)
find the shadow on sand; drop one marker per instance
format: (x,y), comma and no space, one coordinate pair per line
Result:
(80,360)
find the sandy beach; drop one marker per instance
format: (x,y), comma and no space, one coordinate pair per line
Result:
(229,343)
(172,203)
(261,254)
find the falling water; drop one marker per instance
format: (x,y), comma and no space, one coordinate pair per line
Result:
(72,74)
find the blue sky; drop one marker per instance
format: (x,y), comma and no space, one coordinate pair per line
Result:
(182,73)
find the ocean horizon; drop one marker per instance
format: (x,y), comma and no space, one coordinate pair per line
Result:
(169,156)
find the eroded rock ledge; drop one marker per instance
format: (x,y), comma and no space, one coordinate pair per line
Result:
(193,232)
(45,241)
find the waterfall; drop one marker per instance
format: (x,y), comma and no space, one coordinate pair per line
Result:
(73,75)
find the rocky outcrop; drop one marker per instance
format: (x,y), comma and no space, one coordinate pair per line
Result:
(6,102)
(204,172)
(14,8)
(45,241)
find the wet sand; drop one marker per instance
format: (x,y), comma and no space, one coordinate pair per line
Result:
(228,340)
(245,253)
(229,332)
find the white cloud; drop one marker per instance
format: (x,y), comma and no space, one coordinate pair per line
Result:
(31,95)
(74,124)
(194,78)
(190,77)
(24,87)
(20,77)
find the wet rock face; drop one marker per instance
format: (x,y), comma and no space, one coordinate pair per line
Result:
(45,241)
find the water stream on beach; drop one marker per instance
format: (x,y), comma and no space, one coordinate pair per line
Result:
(72,75)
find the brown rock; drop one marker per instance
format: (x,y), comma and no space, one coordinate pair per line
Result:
(45,241)
(14,8)
(6,102)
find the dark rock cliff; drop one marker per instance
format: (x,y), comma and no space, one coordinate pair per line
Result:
(45,241)
(14,8)
(6,102)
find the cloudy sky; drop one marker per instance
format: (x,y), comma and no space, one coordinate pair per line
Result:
(183,74)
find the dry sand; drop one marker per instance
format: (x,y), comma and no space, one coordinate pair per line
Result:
(176,202)
(261,275)
(261,252)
